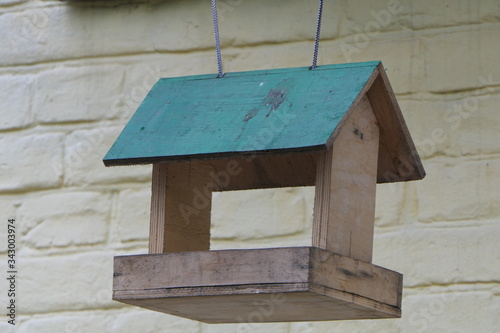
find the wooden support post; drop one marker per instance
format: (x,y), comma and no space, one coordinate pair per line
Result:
(180,207)
(344,211)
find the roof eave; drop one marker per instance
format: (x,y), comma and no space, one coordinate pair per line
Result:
(214,156)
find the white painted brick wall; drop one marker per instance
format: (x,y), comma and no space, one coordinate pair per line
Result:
(256,214)
(80,219)
(27,160)
(459,190)
(84,152)
(72,73)
(17,98)
(68,94)
(67,282)
(463,254)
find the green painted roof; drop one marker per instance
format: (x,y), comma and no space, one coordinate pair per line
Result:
(268,111)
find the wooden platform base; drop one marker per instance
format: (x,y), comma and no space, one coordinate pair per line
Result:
(259,285)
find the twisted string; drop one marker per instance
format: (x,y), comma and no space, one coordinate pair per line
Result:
(318,31)
(217,39)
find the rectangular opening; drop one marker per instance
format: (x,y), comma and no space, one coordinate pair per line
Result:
(262,218)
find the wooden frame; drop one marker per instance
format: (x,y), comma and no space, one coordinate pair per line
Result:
(182,277)
(227,286)
(337,127)
(344,210)
(181,202)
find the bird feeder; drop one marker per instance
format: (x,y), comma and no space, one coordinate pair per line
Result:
(335,127)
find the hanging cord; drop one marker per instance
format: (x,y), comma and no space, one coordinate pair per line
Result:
(217,40)
(318,31)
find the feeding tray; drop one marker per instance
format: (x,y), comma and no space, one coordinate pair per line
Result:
(335,127)
(282,284)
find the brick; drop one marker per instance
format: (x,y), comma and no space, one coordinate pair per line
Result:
(403,67)
(424,312)
(140,320)
(258,213)
(441,255)
(117,31)
(410,69)
(84,322)
(7,328)
(9,208)
(302,238)
(132,221)
(83,164)
(415,15)
(448,13)
(389,204)
(120,30)
(254,22)
(17,98)
(453,125)
(451,312)
(459,59)
(478,131)
(142,72)
(386,326)
(27,37)
(398,65)
(463,191)
(129,319)
(247,327)
(81,88)
(66,283)
(11,2)
(82,220)
(371,18)
(21,153)
(433,124)
(276,56)
(49,33)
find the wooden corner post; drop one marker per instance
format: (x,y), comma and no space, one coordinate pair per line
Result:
(344,208)
(181,202)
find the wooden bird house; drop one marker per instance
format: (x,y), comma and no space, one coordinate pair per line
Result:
(335,127)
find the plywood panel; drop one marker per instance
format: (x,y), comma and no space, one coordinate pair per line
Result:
(181,203)
(345,187)
(210,268)
(293,284)
(398,159)
(289,307)
(259,112)
(258,172)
